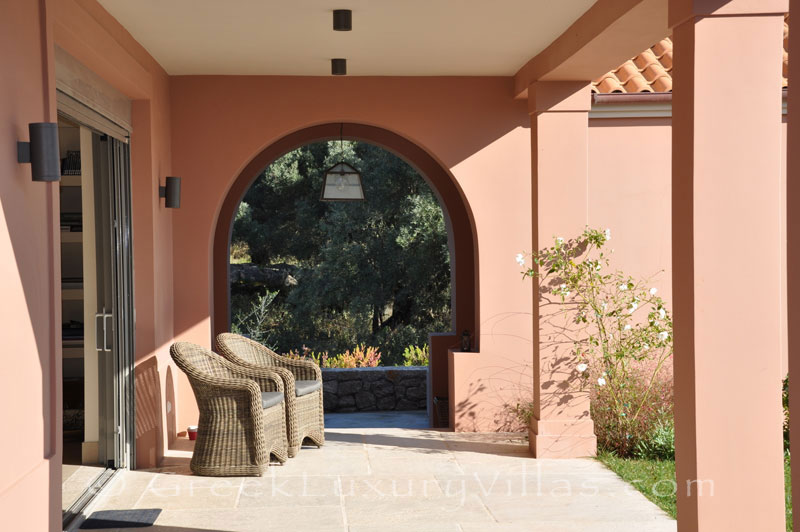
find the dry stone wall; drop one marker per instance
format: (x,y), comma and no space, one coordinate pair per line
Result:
(380,388)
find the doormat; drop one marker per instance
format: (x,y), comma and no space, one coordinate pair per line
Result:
(121,519)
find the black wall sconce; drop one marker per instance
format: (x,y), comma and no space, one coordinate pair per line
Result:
(41,152)
(171,193)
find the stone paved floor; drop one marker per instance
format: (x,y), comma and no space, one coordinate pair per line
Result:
(375,475)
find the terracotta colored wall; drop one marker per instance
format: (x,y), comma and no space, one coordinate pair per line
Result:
(30,272)
(30,474)
(472,126)
(630,171)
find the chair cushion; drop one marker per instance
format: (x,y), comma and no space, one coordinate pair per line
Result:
(302,388)
(270,399)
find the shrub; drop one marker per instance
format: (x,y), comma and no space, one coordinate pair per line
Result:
(620,333)
(785,395)
(622,420)
(319,358)
(254,322)
(360,357)
(414,355)
(659,443)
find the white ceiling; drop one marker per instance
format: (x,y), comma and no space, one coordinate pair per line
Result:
(389,37)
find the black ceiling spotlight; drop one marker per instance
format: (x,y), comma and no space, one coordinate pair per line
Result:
(339,67)
(342,20)
(42,151)
(171,193)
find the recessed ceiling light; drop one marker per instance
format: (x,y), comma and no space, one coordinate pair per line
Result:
(339,67)
(342,20)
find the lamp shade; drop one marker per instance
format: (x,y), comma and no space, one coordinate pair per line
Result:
(342,183)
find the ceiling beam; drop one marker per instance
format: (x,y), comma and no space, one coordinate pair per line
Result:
(608,34)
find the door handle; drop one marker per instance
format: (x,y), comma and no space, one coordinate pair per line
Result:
(105,332)
(99,316)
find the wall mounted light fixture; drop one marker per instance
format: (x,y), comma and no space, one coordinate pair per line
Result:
(342,20)
(41,152)
(171,193)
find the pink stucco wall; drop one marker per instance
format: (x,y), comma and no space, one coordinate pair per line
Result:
(630,172)
(630,176)
(472,126)
(206,130)
(30,455)
(30,451)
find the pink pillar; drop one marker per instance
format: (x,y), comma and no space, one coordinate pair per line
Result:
(726,146)
(793,259)
(561,426)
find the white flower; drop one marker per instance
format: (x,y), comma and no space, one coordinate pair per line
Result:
(608,234)
(633,307)
(662,313)
(601,381)
(662,336)
(627,327)
(559,240)
(582,367)
(645,346)
(653,291)
(520,258)
(623,286)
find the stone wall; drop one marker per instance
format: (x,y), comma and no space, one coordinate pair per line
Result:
(381,388)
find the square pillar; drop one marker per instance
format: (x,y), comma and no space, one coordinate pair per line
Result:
(561,426)
(793,262)
(726,160)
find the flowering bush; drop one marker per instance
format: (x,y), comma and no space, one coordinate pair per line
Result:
(360,357)
(414,355)
(620,333)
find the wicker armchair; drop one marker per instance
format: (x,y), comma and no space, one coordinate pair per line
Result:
(302,380)
(242,414)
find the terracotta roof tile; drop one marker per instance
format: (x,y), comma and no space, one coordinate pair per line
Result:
(651,70)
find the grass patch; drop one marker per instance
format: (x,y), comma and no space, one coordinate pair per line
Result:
(787,479)
(656,480)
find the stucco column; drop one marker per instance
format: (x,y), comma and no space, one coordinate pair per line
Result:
(793,262)
(561,426)
(726,146)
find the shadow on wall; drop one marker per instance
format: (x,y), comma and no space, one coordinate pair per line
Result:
(172,424)
(501,393)
(149,429)
(29,212)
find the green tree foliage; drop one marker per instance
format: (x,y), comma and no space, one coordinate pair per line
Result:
(374,272)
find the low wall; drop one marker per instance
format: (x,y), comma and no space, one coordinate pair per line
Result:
(381,388)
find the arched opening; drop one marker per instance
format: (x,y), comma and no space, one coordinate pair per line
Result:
(461,235)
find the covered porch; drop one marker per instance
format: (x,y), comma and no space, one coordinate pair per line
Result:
(389,472)
(493,105)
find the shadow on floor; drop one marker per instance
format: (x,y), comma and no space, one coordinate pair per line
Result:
(411,419)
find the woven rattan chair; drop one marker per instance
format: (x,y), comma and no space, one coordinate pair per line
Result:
(242,413)
(302,380)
